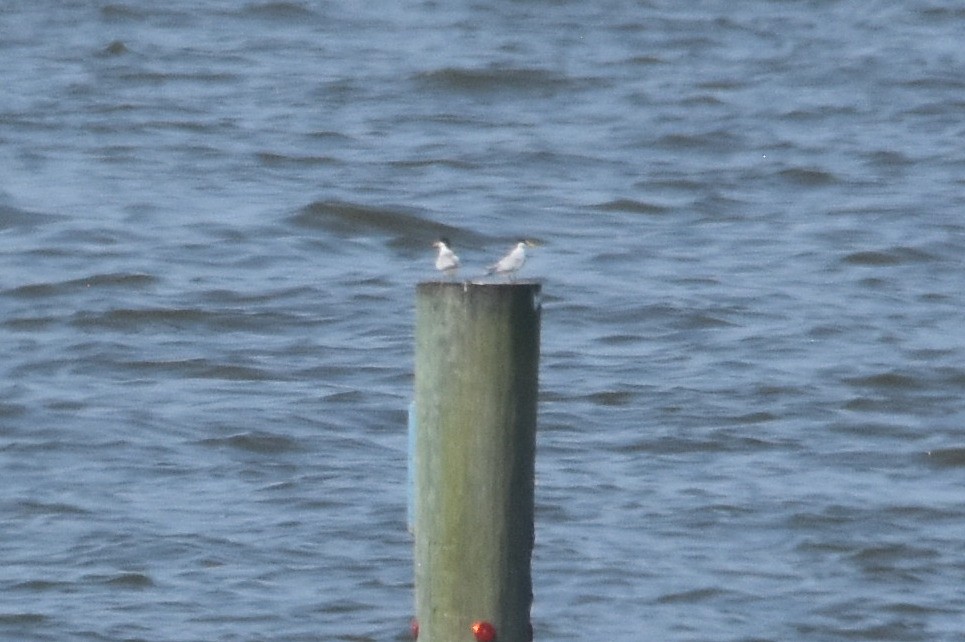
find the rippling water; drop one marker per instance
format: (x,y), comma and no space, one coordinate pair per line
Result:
(212,220)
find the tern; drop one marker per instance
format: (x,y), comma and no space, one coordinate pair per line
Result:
(510,264)
(446,262)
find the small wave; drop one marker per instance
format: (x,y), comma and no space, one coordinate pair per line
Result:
(691,597)
(418,163)
(44,508)
(345,396)
(621,339)
(610,398)
(112,280)
(234,298)
(345,219)
(137,319)
(13,217)
(11,410)
(942,14)
(40,586)
(872,429)
(646,60)
(954,377)
(709,140)
(898,255)
(758,417)
(888,159)
(895,561)
(886,381)
(199,369)
(723,441)
(129,581)
(8,619)
(632,206)
(946,457)
(115,48)
(493,79)
(271,159)
(263,443)
(702,321)
(279,11)
(30,324)
(808,177)
(164,77)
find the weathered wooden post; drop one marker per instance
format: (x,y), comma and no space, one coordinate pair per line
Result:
(476,383)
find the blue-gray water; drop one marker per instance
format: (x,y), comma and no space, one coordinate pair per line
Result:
(212,219)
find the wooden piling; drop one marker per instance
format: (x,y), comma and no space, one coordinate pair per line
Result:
(476,383)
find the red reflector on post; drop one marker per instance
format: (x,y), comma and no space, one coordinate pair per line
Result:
(483,631)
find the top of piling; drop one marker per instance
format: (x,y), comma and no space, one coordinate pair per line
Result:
(519,291)
(528,293)
(527,284)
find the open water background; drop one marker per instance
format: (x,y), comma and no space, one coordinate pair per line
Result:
(212,219)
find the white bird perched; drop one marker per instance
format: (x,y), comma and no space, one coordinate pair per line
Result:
(510,264)
(446,262)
